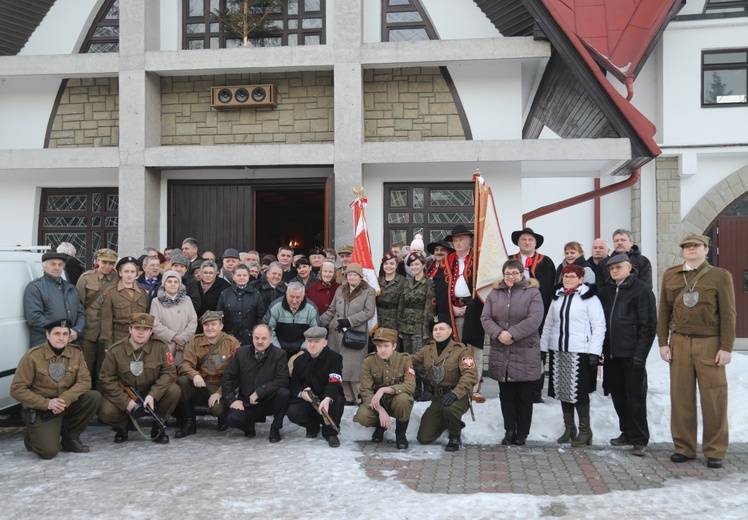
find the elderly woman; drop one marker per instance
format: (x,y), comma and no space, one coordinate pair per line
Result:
(573,333)
(390,288)
(574,255)
(255,269)
(511,316)
(118,303)
(176,319)
(351,308)
(322,290)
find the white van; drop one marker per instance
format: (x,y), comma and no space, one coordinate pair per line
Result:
(17,269)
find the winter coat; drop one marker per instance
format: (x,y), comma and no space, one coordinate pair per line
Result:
(519,311)
(415,310)
(630,317)
(151,290)
(267,292)
(174,317)
(590,275)
(544,271)
(387,301)
(249,375)
(641,264)
(288,328)
(358,307)
(209,298)
(242,310)
(575,322)
(322,374)
(322,294)
(47,299)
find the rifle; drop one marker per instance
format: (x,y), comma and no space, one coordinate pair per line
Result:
(315,402)
(140,407)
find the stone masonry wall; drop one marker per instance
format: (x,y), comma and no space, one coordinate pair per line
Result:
(669,224)
(88,114)
(304,113)
(409,104)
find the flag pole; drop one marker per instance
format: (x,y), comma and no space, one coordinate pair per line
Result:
(477,226)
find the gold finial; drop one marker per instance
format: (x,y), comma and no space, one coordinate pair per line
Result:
(358,191)
(477,171)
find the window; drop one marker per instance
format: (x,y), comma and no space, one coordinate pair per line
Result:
(104,33)
(295,22)
(432,210)
(405,21)
(724,77)
(726,6)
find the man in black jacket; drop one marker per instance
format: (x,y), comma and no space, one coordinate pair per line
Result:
(260,372)
(631,319)
(623,243)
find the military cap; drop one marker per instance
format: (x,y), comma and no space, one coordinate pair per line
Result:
(389,255)
(384,334)
(231,253)
(180,259)
(693,238)
(415,256)
(441,318)
(107,255)
(142,319)
(127,260)
(315,333)
(53,255)
(59,323)
(617,259)
(343,250)
(211,316)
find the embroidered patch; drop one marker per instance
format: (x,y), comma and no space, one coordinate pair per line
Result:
(85,364)
(468,362)
(335,378)
(169,358)
(411,372)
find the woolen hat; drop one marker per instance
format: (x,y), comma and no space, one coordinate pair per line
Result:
(180,259)
(458,231)
(417,244)
(168,274)
(527,231)
(355,268)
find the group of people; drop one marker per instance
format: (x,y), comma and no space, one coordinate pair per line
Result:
(286,336)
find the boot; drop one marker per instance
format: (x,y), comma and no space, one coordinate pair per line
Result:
(509,437)
(74,446)
(190,424)
(454,443)
(222,424)
(419,389)
(121,435)
(400,440)
(378,435)
(426,393)
(275,435)
(158,435)
(571,429)
(585,433)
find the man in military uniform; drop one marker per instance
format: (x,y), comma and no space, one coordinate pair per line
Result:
(318,370)
(387,386)
(344,253)
(205,358)
(696,331)
(260,372)
(145,363)
(53,385)
(92,287)
(452,373)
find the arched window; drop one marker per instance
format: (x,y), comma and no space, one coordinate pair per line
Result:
(104,33)
(405,21)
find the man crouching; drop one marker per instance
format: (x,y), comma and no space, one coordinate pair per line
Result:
(387,385)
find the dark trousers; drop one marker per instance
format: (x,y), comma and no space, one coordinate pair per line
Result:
(628,388)
(274,405)
(538,385)
(303,413)
(438,418)
(516,405)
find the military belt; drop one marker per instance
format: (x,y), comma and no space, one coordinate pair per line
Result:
(693,335)
(441,390)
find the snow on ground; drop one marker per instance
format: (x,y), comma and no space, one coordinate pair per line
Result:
(225,475)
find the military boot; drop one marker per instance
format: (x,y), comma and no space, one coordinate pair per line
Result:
(585,433)
(419,389)
(378,435)
(570,431)
(158,435)
(190,424)
(401,442)
(427,390)
(454,443)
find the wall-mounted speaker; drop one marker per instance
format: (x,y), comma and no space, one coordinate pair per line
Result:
(241,96)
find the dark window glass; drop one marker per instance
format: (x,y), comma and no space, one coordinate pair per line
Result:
(103,35)
(726,6)
(405,21)
(724,77)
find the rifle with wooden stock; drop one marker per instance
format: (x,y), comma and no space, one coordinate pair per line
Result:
(315,402)
(140,407)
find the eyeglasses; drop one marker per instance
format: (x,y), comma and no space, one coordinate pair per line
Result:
(512,274)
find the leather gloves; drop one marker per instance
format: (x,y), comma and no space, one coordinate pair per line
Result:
(343,323)
(637,364)
(448,399)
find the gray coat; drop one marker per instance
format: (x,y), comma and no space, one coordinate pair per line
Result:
(48,299)
(358,306)
(519,311)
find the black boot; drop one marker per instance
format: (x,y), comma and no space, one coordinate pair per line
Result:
(190,425)
(222,424)
(419,389)
(275,435)
(401,442)
(509,437)
(378,435)
(425,390)
(121,435)
(158,435)
(454,443)
(519,440)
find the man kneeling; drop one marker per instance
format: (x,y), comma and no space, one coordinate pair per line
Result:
(387,385)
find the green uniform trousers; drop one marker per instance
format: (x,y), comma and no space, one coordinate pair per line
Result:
(113,416)
(201,395)
(45,434)
(437,418)
(692,364)
(398,406)
(93,352)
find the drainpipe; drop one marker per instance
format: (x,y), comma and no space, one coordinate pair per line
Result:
(584,197)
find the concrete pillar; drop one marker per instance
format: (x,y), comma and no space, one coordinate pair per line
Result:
(139,120)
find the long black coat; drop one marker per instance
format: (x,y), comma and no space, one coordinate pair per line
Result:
(322,374)
(249,375)
(242,310)
(630,318)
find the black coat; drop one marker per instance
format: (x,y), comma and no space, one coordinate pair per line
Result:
(472,332)
(322,374)
(193,292)
(209,298)
(73,269)
(249,375)
(630,318)
(640,262)
(242,310)
(268,293)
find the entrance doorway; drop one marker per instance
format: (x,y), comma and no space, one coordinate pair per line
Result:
(289,217)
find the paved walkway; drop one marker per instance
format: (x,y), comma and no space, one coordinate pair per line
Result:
(541,469)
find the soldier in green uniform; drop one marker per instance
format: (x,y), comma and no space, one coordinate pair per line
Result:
(92,287)
(387,384)
(391,286)
(53,385)
(205,359)
(452,373)
(121,302)
(143,362)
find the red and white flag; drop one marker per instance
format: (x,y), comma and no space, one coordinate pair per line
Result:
(362,250)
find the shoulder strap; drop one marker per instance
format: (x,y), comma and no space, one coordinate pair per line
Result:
(99,293)
(695,280)
(212,350)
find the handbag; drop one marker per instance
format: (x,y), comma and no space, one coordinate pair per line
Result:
(354,339)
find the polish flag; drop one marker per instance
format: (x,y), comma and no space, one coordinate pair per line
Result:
(362,250)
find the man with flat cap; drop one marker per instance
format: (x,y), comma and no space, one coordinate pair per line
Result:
(452,372)
(51,297)
(144,362)
(541,268)
(230,260)
(453,284)
(259,373)
(387,385)
(631,320)
(92,287)
(200,374)
(53,385)
(696,332)
(317,376)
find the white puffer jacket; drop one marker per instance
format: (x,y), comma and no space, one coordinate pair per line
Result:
(575,323)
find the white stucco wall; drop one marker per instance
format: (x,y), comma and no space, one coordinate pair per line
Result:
(171,25)
(63,29)
(473,23)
